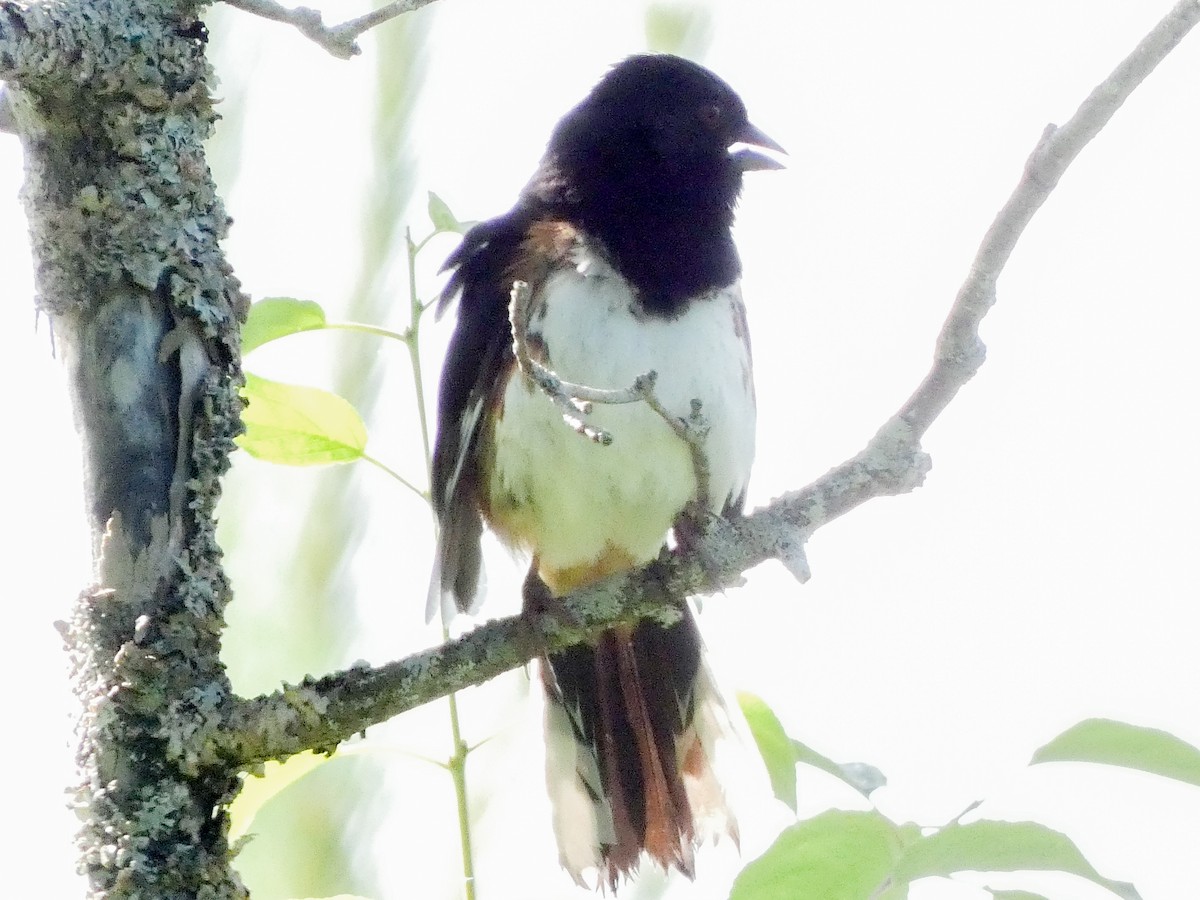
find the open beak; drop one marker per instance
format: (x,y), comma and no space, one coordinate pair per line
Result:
(747,150)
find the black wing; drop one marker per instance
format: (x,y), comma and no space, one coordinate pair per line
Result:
(477,364)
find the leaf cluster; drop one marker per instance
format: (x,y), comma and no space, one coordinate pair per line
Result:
(855,855)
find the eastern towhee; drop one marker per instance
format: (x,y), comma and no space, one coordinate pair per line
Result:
(623,235)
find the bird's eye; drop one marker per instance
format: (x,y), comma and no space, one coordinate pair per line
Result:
(711,115)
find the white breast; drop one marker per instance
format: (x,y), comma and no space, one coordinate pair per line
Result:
(580,500)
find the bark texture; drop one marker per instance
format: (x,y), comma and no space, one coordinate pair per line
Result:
(111,100)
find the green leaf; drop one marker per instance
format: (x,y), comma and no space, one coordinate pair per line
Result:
(773,745)
(781,753)
(276,317)
(862,777)
(258,790)
(994,846)
(1015,895)
(1122,744)
(442,218)
(838,855)
(299,426)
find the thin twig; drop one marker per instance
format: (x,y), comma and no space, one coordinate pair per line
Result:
(960,352)
(693,431)
(575,400)
(340,40)
(456,765)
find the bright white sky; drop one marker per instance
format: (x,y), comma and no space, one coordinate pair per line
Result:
(1046,572)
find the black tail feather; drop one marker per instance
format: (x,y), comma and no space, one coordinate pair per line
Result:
(630,701)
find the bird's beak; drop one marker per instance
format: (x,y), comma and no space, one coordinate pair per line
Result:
(747,150)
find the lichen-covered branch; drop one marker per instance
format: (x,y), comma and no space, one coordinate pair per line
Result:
(320,713)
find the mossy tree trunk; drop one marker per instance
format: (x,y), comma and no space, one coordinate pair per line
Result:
(111,101)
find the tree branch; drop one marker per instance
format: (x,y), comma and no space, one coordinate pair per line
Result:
(339,40)
(320,713)
(960,352)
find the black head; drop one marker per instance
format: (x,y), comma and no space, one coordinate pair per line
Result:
(660,117)
(651,163)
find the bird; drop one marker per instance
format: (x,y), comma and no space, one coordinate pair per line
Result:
(623,239)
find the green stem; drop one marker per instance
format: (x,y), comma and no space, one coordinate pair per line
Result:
(368,329)
(424,495)
(458,773)
(412,339)
(457,764)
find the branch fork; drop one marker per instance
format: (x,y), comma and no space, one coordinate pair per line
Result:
(339,40)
